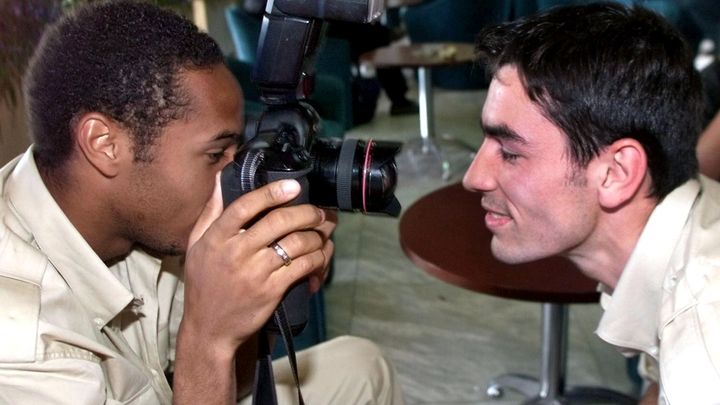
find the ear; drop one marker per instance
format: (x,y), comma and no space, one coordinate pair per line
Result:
(622,170)
(102,143)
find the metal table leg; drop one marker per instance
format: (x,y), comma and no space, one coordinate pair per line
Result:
(428,153)
(550,388)
(425,100)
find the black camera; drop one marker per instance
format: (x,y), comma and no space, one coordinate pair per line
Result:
(350,174)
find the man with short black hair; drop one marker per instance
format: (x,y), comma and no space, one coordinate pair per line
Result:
(590,124)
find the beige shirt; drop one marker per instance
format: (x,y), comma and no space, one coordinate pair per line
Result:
(667,302)
(73,330)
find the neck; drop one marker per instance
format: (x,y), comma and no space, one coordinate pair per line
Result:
(604,255)
(86,206)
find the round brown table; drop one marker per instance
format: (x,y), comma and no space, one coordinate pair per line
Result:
(444,233)
(424,57)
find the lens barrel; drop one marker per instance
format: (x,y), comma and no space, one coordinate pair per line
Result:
(354,175)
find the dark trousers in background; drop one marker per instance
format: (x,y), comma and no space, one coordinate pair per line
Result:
(367,37)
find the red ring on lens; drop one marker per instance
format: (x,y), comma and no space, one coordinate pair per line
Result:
(366,173)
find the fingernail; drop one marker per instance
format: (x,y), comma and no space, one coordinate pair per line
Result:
(290,187)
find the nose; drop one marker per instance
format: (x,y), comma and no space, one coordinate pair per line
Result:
(480,176)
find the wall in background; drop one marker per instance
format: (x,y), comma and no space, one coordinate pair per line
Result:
(14,134)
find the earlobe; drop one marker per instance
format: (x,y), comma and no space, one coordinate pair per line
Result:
(99,141)
(624,170)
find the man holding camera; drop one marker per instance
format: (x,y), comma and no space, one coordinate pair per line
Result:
(590,126)
(133,115)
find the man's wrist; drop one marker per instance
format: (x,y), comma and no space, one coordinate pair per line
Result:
(204,369)
(196,342)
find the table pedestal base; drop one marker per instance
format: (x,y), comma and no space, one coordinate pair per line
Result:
(550,388)
(429,155)
(435,157)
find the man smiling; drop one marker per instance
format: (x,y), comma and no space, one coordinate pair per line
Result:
(590,123)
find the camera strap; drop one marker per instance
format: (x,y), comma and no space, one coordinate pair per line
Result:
(264,385)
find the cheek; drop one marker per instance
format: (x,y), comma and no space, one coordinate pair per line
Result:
(570,211)
(535,198)
(525,190)
(196,191)
(203,191)
(184,198)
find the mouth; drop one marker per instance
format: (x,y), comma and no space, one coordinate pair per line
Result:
(495,218)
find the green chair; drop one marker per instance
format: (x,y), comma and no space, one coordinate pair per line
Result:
(695,19)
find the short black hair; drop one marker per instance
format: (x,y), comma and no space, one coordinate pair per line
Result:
(602,72)
(120,58)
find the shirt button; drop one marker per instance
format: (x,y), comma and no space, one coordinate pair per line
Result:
(98,322)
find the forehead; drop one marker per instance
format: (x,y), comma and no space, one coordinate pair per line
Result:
(212,91)
(215,105)
(507,104)
(215,108)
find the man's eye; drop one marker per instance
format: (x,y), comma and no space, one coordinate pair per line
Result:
(216,156)
(508,156)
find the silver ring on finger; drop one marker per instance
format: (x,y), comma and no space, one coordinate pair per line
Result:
(282,253)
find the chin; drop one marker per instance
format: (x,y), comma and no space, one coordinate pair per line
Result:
(514,254)
(158,250)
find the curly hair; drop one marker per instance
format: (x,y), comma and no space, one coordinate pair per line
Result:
(602,72)
(120,58)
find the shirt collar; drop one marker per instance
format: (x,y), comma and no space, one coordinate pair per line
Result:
(101,293)
(631,312)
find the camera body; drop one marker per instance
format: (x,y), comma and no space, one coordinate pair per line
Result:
(350,174)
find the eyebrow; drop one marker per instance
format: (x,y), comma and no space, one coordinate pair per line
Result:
(226,135)
(503,132)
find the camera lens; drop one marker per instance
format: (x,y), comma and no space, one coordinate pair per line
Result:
(350,174)
(355,175)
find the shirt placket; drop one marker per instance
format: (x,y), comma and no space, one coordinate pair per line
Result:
(137,328)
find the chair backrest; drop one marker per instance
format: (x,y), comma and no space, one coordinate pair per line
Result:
(456,21)
(244,31)
(453,20)
(695,19)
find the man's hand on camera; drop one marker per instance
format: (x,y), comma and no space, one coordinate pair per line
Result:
(233,280)
(317,278)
